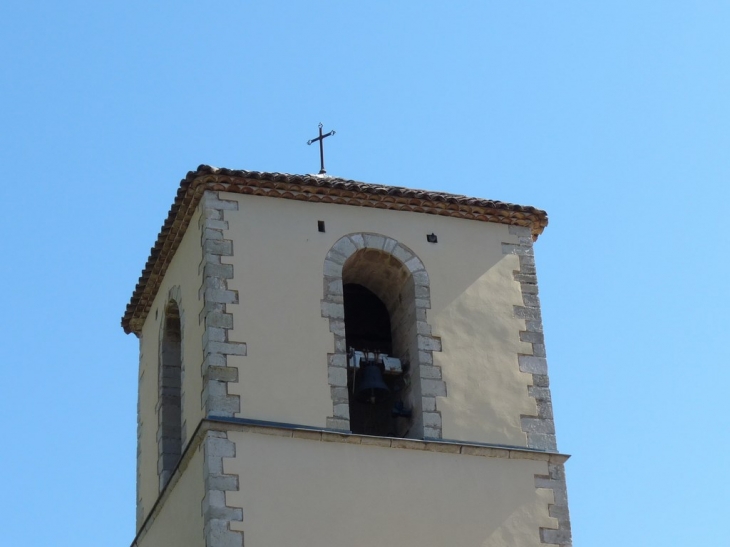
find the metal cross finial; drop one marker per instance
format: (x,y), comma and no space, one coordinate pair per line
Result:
(321,147)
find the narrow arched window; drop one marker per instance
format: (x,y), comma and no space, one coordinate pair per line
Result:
(169,412)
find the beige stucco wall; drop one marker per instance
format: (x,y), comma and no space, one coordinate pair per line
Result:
(182,272)
(320,494)
(180,520)
(278,273)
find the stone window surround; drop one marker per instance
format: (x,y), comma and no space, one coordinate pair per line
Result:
(431,381)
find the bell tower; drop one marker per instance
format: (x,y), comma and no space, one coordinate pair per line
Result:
(325,362)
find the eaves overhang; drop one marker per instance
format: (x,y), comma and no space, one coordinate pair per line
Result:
(312,188)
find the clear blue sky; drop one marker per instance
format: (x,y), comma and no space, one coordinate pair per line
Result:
(612,116)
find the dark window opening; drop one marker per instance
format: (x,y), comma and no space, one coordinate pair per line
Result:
(367,321)
(170,395)
(367,329)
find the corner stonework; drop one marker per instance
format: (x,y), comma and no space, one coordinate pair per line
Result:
(555,481)
(217,515)
(216,297)
(217,373)
(540,429)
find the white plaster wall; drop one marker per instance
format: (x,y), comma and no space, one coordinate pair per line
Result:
(180,520)
(278,271)
(183,272)
(319,494)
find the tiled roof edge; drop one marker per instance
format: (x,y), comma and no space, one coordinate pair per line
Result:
(314,188)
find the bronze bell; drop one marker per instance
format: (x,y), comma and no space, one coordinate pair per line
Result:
(370,387)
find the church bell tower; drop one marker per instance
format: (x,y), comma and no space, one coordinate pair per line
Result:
(329,363)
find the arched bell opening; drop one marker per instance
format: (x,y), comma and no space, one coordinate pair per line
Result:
(379,321)
(169,405)
(372,393)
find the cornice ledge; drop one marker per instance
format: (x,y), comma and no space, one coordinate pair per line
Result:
(428,445)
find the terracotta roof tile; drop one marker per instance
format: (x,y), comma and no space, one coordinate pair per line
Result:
(315,188)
